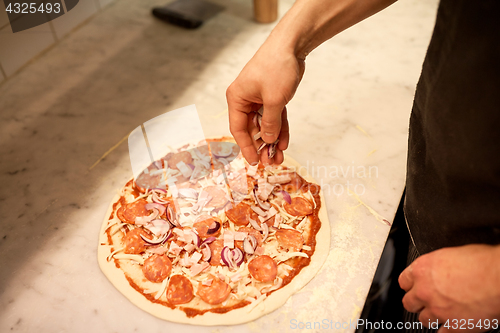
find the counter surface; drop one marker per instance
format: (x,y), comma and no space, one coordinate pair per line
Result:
(66,116)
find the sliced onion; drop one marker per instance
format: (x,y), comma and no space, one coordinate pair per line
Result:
(214,227)
(287,197)
(206,252)
(238,256)
(255,120)
(271,150)
(263,205)
(208,240)
(159,240)
(142,220)
(254,224)
(156,196)
(265,230)
(232,258)
(249,244)
(196,238)
(158,226)
(261,147)
(154,205)
(171,217)
(226,256)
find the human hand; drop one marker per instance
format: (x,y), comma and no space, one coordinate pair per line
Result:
(456,283)
(269,79)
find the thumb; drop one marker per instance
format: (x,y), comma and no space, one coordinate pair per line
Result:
(270,126)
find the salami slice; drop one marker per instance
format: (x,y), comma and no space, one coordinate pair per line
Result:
(217,292)
(183,156)
(180,290)
(218,195)
(299,207)
(205,223)
(263,268)
(289,239)
(216,248)
(241,213)
(134,244)
(157,268)
(130,211)
(149,179)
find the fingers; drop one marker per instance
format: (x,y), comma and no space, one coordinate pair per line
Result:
(271,122)
(411,303)
(427,318)
(285,132)
(406,278)
(239,112)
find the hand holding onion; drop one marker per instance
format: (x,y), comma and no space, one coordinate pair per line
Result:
(270,79)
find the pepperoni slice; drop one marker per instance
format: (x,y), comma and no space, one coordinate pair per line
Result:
(180,290)
(263,268)
(290,239)
(240,213)
(217,292)
(183,156)
(130,211)
(216,248)
(299,207)
(134,244)
(218,195)
(250,231)
(157,268)
(148,180)
(204,223)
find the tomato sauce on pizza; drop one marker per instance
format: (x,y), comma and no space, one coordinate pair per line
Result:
(185,238)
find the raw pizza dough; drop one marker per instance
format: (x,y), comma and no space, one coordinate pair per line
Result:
(236,316)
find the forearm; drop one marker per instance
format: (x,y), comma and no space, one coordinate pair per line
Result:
(311,22)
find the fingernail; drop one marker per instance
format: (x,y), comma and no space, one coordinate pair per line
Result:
(254,163)
(269,134)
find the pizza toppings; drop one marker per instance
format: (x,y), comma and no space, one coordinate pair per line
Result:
(180,157)
(216,293)
(179,290)
(241,214)
(232,258)
(134,244)
(207,226)
(290,239)
(299,207)
(218,195)
(263,268)
(216,249)
(130,212)
(206,233)
(157,268)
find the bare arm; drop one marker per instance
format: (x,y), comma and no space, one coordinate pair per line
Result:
(272,76)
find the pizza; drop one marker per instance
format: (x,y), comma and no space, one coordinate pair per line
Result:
(201,237)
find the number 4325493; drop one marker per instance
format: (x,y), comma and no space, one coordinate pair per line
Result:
(27,8)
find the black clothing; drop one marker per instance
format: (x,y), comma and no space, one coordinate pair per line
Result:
(453,171)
